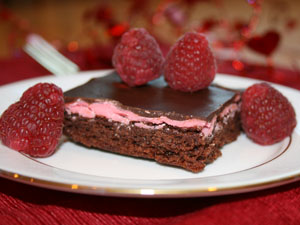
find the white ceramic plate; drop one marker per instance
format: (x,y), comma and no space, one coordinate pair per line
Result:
(244,166)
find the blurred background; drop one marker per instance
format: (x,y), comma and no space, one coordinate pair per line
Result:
(247,36)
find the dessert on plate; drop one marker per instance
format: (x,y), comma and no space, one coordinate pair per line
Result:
(153,121)
(178,119)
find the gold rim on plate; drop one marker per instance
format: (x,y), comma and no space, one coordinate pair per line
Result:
(151,192)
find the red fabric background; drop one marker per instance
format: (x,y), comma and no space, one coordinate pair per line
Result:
(24,204)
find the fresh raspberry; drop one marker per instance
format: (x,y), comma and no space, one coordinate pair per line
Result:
(267,116)
(33,125)
(190,64)
(138,58)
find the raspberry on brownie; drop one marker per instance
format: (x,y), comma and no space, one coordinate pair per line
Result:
(190,64)
(138,58)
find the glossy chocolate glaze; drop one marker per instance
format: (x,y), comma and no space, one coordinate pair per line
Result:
(155,97)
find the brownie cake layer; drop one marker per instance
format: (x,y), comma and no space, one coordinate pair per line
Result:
(169,145)
(151,123)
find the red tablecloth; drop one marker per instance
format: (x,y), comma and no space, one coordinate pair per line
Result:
(25,204)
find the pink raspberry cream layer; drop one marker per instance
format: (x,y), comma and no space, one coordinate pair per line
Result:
(112,111)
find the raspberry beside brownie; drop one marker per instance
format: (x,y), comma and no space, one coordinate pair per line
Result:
(153,121)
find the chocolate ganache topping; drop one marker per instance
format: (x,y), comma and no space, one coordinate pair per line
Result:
(155,98)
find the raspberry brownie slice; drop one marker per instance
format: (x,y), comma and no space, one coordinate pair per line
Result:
(153,121)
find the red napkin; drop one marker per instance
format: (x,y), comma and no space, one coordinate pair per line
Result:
(25,204)
(20,67)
